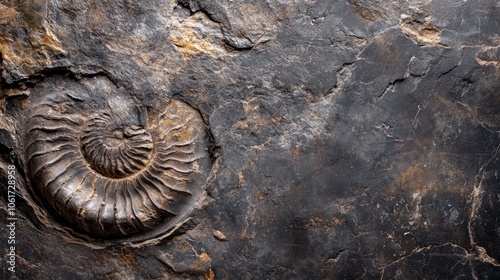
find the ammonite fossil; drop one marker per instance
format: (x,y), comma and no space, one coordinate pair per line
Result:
(111,168)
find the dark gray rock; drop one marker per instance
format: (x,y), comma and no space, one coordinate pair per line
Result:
(349,139)
(6,141)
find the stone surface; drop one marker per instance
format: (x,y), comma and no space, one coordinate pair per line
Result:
(354,139)
(6,141)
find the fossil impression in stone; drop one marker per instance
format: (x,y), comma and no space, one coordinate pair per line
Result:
(114,169)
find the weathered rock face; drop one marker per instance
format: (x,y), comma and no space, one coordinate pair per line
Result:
(329,139)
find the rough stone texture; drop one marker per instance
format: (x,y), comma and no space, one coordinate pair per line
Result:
(352,139)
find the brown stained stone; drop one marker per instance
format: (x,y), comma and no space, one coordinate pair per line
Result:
(350,139)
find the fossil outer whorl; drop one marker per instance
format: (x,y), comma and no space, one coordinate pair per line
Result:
(115,169)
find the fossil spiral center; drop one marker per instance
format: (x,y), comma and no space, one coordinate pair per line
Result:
(115,149)
(116,139)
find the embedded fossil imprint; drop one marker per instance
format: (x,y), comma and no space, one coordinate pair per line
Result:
(111,168)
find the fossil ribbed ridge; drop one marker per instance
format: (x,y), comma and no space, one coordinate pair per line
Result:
(116,171)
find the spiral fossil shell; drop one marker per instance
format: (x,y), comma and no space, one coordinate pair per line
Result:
(114,169)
